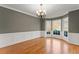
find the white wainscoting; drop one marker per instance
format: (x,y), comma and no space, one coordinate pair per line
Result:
(57,36)
(74,38)
(64,37)
(47,35)
(42,33)
(13,38)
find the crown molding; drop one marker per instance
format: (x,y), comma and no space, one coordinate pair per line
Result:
(18,10)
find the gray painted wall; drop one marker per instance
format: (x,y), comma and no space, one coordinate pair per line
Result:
(74,21)
(42,24)
(13,21)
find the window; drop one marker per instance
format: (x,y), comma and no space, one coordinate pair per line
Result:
(65,26)
(56,26)
(48,27)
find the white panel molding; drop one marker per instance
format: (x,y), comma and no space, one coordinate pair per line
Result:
(74,38)
(42,33)
(57,36)
(13,38)
(47,35)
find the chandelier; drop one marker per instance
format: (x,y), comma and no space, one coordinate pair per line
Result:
(41,12)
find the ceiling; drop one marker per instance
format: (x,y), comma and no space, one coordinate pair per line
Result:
(52,10)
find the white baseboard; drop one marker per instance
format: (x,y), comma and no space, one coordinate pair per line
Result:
(13,38)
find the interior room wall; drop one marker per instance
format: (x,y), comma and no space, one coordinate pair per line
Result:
(74,26)
(42,26)
(17,27)
(13,21)
(74,21)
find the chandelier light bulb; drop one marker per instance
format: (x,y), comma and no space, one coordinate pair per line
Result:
(41,11)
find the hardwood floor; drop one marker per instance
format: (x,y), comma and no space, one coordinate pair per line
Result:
(41,46)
